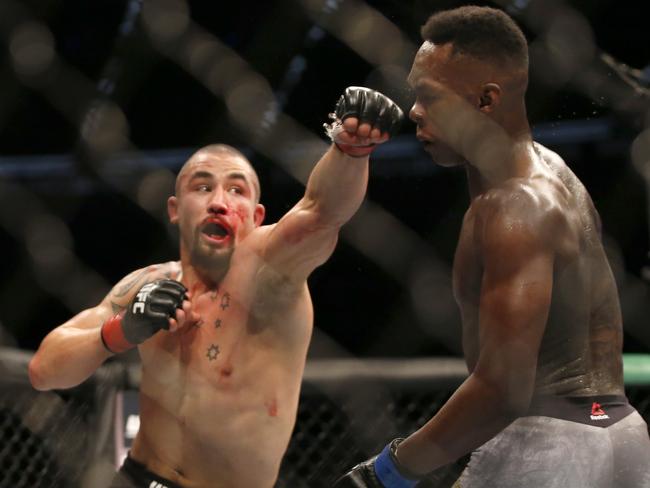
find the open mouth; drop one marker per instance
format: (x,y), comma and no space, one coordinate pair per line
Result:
(427,145)
(215,230)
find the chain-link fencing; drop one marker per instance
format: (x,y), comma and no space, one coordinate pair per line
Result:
(348,410)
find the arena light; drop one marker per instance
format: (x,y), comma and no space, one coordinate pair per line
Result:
(32,49)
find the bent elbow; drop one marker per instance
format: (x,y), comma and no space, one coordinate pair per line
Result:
(514,408)
(516,402)
(511,397)
(325,216)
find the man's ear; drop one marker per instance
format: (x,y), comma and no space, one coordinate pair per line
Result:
(258,215)
(490,97)
(172,209)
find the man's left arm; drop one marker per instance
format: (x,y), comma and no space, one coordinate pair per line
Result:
(514,303)
(306,236)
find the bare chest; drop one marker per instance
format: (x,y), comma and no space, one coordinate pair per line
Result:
(219,337)
(218,378)
(238,339)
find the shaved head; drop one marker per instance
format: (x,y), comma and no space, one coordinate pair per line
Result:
(217,152)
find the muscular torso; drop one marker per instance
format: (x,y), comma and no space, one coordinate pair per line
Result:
(218,400)
(580,352)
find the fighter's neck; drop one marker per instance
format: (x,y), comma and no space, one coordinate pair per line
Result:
(519,161)
(200,280)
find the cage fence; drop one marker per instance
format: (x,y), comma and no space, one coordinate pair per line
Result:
(65,439)
(348,410)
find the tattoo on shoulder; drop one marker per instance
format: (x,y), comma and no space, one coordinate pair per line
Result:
(124,289)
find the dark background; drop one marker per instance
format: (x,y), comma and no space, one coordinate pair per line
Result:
(54,201)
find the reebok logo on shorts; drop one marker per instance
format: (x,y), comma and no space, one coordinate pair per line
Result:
(597,413)
(605,410)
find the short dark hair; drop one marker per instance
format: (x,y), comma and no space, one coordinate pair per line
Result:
(482,32)
(222,149)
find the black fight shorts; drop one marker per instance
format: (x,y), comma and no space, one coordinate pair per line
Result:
(132,474)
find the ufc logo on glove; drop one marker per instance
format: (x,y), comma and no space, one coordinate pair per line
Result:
(141,297)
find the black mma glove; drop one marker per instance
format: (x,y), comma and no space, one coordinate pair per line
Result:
(149,311)
(368,106)
(382,471)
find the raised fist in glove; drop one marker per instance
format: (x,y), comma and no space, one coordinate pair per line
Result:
(363,118)
(150,310)
(382,471)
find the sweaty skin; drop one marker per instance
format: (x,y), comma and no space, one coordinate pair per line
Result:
(219,390)
(537,297)
(226,388)
(579,352)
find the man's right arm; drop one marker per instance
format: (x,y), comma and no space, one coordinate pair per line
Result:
(73,351)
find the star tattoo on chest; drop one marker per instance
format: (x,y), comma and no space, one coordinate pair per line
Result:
(217,323)
(225,301)
(213,352)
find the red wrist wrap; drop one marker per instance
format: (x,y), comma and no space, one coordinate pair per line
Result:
(113,335)
(356,151)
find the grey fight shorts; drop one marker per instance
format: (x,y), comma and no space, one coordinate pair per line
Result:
(546,452)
